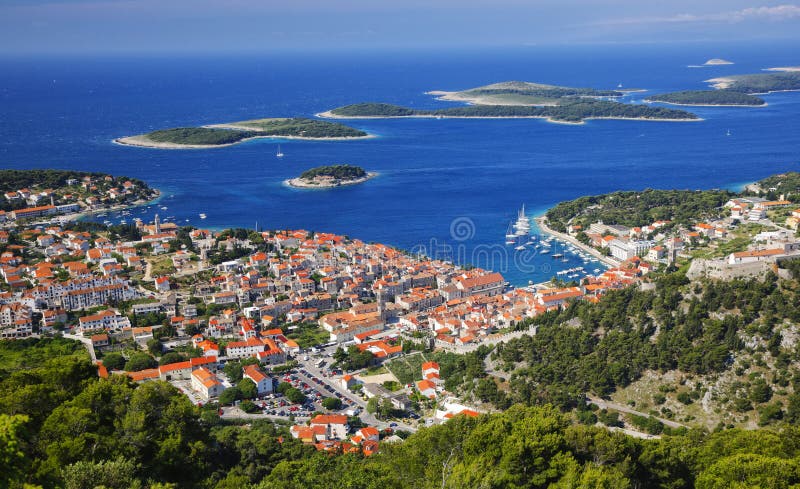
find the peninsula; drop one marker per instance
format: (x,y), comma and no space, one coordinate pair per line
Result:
(515,99)
(227,134)
(758,83)
(330,177)
(66,195)
(708,98)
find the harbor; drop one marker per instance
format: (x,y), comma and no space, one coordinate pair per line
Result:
(572,260)
(541,223)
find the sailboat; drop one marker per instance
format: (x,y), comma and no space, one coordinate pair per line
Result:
(511,238)
(510,232)
(279,154)
(728,133)
(523,224)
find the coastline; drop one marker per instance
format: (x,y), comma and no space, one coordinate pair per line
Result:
(723,83)
(114,208)
(140,141)
(478,100)
(720,83)
(300,138)
(649,101)
(787,69)
(329,115)
(541,222)
(302,184)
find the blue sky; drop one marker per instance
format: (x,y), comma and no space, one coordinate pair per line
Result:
(59,26)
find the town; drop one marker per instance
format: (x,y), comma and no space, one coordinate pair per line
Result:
(311,328)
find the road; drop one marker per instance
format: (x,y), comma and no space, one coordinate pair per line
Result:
(86,342)
(602,404)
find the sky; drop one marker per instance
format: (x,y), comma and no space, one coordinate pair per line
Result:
(85,26)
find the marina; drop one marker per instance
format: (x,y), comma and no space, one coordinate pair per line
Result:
(570,259)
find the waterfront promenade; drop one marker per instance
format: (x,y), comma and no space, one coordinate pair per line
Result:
(541,222)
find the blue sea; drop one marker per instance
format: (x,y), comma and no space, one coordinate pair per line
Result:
(449,188)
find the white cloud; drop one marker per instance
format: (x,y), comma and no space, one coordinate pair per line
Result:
(773,14)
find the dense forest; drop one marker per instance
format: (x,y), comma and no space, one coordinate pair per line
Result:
(370,109)
(697,329)
(764,82)
(61,426)
(198,136)
(639,208)
(707,97)
(539,448)
(339,172)
(567,111)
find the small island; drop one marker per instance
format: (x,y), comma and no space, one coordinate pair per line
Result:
(717,62)
(220,135)
(708,98)
(330,177)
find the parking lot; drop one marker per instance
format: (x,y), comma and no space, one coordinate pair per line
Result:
(311,386)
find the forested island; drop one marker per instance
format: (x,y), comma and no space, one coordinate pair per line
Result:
(522,93)
(219,135)
(572,111)
(759,82)
(517,99)
(330,176)
(707,97)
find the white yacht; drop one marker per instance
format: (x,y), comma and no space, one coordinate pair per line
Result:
(510,233)
(279,154)
(523,224)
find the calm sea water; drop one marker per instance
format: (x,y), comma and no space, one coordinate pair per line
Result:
(449,186)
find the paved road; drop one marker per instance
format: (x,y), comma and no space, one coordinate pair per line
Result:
(86,342)
(602,404)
